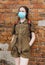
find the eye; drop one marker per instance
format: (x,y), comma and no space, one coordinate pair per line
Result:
(21,11)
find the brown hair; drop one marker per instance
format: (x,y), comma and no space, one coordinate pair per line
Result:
(27,13)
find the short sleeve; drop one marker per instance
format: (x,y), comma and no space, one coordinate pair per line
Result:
(32,27)
(13,29)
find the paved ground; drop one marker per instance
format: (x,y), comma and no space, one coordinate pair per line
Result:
(6,55)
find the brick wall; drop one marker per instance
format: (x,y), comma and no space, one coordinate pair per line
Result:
(8,10)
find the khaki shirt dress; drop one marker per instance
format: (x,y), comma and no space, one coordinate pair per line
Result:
(21,46)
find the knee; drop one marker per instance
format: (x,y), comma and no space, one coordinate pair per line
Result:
(23,61)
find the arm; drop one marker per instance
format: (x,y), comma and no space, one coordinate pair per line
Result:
(32,29)
(14,36)
(32,39)
(13,32)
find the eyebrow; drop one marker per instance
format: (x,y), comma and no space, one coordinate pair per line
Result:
(23,11)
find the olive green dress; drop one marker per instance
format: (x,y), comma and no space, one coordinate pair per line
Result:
(21,46)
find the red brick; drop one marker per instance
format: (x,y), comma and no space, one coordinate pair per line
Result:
(8,11)
(39,6)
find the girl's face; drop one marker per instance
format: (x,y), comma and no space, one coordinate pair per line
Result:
(22,13)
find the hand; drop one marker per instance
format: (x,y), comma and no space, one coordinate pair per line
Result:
(11,43)
(29,43)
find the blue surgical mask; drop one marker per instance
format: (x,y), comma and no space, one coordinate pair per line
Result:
(22,14)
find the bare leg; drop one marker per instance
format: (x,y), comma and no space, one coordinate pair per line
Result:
(24,61)
(17,61)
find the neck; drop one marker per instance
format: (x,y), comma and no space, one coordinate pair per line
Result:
(22,20)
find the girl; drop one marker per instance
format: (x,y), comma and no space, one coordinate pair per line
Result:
(21,37)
